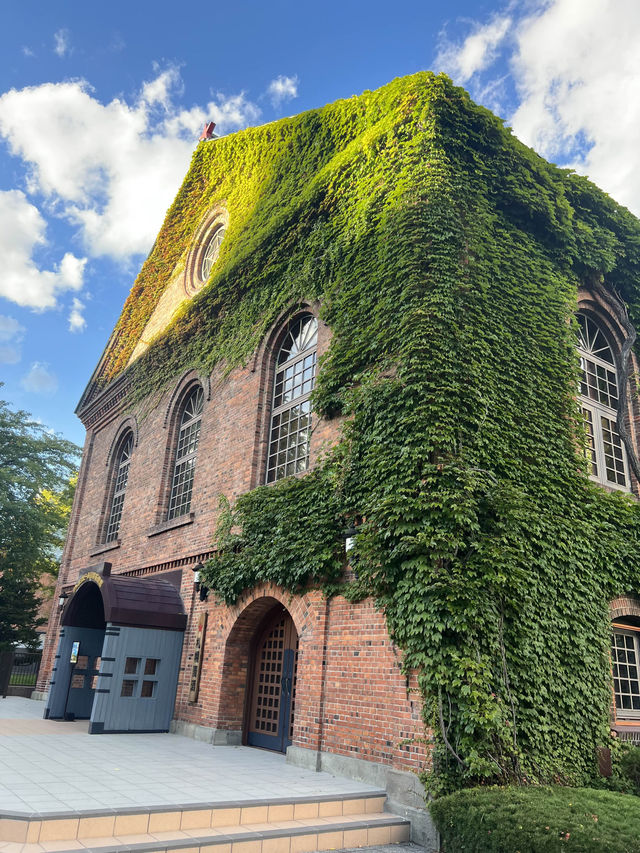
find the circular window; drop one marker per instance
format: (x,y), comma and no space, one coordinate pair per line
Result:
(211,252)
(205,249)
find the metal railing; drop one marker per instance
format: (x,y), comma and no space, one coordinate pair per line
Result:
(24,672)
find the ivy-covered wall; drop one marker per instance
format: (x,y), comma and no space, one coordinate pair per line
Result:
(447,258)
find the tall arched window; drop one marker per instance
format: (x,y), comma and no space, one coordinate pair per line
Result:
(121,477)
(291,408)
(599,401)
(186,451)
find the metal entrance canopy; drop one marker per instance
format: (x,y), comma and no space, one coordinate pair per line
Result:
(137,602)
(119,652)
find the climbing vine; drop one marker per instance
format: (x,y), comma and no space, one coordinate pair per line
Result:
(447,257)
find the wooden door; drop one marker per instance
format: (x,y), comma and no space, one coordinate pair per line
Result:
(274,685)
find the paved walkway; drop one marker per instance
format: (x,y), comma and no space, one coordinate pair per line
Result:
(50,766)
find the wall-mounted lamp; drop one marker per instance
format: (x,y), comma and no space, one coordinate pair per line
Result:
(198,584)
(62,600)
(196,574)
(349,538)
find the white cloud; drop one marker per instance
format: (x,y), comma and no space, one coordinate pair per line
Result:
(476,52)
(11,334)
(161,90)
(10,329)
(22,230)
(77,322)
(9,354)
(282,89)
(61,45)
(40,380)
(574,65)
(111,169)
(228,113)
(27,51)
(578,77)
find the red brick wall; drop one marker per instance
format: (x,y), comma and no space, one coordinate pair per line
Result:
(352,698)
(231,458)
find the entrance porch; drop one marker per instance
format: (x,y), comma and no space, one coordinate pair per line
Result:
(62,789)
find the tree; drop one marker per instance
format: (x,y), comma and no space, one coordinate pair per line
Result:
(36,488)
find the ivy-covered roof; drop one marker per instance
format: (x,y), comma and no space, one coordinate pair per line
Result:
(303,193)
(447,257)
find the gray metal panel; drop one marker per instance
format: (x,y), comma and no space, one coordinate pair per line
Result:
(114,712)
(61,697)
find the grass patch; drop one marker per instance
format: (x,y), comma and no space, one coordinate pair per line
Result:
(537,820)
(18,680)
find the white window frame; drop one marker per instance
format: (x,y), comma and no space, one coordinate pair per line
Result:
(599,446)
(120,479)
(297,441)
(185,461)
(627,631)
(211,251)
(599,410)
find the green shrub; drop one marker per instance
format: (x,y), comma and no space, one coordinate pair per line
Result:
(538,820)
(630,766)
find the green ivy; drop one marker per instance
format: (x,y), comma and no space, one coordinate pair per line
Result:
(447,257)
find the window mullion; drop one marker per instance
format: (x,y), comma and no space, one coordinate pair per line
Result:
(290,403)
(599,445)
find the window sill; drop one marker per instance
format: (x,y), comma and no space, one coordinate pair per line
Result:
(610,487)
(102,549)
(171,523)
(627,731)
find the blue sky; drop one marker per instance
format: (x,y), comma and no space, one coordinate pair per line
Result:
(101,106)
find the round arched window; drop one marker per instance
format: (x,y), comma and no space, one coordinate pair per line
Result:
(599,402)
(211,252)
(186,452)
(291,407)
(120,479)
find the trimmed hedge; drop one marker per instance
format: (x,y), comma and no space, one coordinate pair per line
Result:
(538,819)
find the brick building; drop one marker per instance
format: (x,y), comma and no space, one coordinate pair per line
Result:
(351,698)
(316,677)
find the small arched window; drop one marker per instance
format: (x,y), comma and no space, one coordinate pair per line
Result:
(211,252)
(120,479)
(599,401)
(295,372)
(186,451)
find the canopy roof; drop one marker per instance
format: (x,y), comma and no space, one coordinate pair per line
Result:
(148,602)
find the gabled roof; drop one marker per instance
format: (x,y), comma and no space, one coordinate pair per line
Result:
(333,197)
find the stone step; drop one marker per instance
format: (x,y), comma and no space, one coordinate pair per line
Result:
(286,836)
(81,826)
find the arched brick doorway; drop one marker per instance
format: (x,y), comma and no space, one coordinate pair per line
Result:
(272,674)
(257,699)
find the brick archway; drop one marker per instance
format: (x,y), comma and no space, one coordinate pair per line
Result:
(625,605)
(236,660)
(239,628)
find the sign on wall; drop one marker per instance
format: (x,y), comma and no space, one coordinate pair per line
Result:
(196,669)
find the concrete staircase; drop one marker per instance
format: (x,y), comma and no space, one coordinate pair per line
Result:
(290,825)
